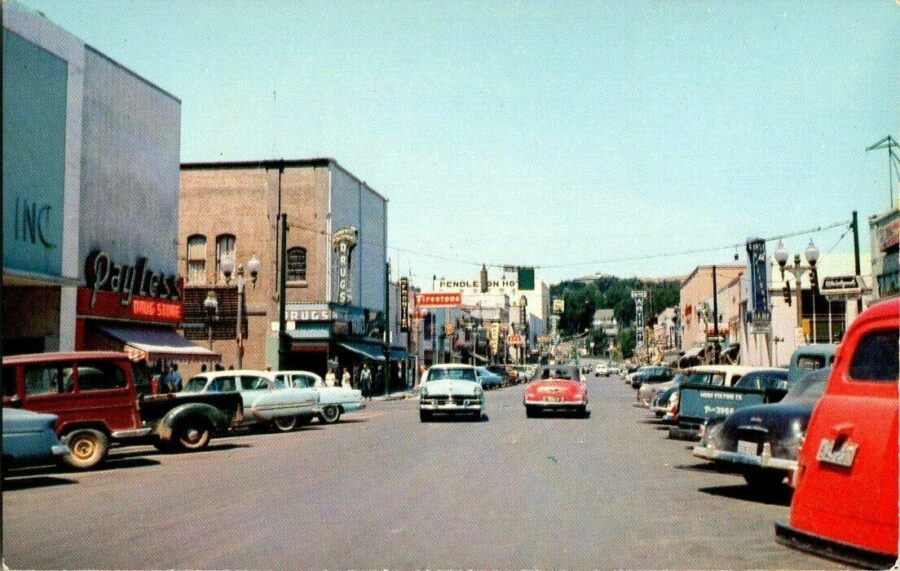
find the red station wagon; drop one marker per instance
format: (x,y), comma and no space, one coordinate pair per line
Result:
(845,505)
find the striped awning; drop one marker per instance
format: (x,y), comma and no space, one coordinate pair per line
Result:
(152,343)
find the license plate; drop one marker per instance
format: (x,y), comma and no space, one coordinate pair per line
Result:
(552,399)
(843,457)
(748,448)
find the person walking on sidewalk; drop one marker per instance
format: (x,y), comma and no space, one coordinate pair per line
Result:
(365,381)
(345,379)
(330,379)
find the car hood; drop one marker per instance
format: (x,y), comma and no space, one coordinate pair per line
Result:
(780,419)
(18,420)
(450,387)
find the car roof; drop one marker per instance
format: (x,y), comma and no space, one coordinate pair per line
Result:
(452,366)
(233,373)
(56,357)
(724,369)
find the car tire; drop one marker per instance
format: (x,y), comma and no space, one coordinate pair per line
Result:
(330,414)
(192,435)
(764,480)
(88,448)
(531,411)
(424,415)
(285,423)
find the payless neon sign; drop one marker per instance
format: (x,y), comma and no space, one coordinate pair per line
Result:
(128,281)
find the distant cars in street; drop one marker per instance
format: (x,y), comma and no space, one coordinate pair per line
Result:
(488,379)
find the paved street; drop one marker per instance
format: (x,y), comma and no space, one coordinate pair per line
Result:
(381,490)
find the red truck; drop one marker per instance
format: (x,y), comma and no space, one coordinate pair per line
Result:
(845,503)
(94,396)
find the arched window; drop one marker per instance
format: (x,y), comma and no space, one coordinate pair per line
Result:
(224,249)
(196,260)
(296,264)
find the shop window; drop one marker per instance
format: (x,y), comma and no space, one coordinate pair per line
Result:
(100,377)
(296,264)
(196,260)
(48,380)
(225,248)
(9,381)
(875,358)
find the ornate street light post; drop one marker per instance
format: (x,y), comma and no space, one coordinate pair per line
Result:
(228,269)
(211,306)
(797,270)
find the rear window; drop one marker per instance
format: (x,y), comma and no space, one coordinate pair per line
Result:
(810,362)
(875,358)
(48,380)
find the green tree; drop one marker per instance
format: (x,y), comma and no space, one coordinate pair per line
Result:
(626,342)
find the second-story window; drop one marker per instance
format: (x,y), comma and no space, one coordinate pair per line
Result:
(296,264)
(196,260)
(225,244)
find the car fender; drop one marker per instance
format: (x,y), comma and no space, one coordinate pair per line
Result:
(216,418)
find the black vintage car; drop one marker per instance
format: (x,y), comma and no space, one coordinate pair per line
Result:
(652,375)
(763,442)
(772,382)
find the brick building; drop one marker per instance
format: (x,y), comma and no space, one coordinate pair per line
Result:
(232,210)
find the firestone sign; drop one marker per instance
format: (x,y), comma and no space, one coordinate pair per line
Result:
(344,241)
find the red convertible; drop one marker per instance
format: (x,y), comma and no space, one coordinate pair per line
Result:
(556,387)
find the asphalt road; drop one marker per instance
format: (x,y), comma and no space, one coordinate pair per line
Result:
(381,490)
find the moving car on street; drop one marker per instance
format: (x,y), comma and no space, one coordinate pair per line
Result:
(556,387)
(94,396)
(845,502)
(29,438)
(763,442)
(451,389)
(266,401)
(333,401)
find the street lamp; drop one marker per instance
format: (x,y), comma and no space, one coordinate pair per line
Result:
(797,270)
(211,306)
(228,269)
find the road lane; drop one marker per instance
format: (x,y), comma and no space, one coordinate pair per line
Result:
(384,490)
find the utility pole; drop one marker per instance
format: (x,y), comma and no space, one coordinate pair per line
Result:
(890,144)
(386,324)
(855,225)
(715,316)
(282,301)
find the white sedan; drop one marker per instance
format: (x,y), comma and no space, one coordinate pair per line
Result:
(333,401)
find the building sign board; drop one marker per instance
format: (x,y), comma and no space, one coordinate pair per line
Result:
(837,287)
(559,306)
(759,284)
(638,296)
(347,320)
(889,235)
(404,304)
(108,305)
(515,339)
(344,240)
(438,299)
(128,282)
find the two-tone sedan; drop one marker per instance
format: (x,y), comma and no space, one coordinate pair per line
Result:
(557,388)
(333,401)
(451,389)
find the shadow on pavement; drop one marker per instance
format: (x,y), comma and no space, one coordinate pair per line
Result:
(27,482)
(780,496)
(705,467)
(458,418)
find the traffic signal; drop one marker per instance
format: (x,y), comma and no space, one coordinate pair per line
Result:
(814,281)
(484,279)
(787,293)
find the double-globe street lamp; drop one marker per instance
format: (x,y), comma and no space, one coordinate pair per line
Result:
(797,270)
(211,307)
(227,270)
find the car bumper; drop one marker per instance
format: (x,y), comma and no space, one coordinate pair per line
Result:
(836,550)
(60,450)
(764,461)
(464,407)
(561,404)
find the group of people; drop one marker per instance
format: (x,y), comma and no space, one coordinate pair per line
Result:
(170,380)
(363,380)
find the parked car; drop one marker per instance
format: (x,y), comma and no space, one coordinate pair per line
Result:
(451,389)
(651,375)
(764,441)
(772,382)
(93,394)
(665,404)
(632,372)
(845,502)
(557,387)
(709,393)
(647,391)
(507,373)
(266,401)
(810,358)
(488,379)
(333,401)
(29,438)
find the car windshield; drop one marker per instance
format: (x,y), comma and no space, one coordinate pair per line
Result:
(195,385)
(563,373)
(809,388)
(451,374)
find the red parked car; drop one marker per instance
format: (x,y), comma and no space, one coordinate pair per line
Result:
(556,387)
(845,504)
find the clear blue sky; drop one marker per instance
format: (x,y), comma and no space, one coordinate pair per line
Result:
(541,132)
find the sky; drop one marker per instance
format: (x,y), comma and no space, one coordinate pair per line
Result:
(575,136)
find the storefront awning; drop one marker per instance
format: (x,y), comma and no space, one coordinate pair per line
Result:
(399,355)
(152,344)
(372,352)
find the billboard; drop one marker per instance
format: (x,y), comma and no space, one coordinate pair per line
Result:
(438,299)
(758,304)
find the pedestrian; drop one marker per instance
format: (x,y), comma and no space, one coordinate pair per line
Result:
(177,380)
(219,367)
(165,380)
(365,381)
(203,368)
(345,379)
(330,378)
(422,370)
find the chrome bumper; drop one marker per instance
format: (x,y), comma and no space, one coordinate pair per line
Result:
(60,450)
(554,404)
(450,407)
(762,461)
